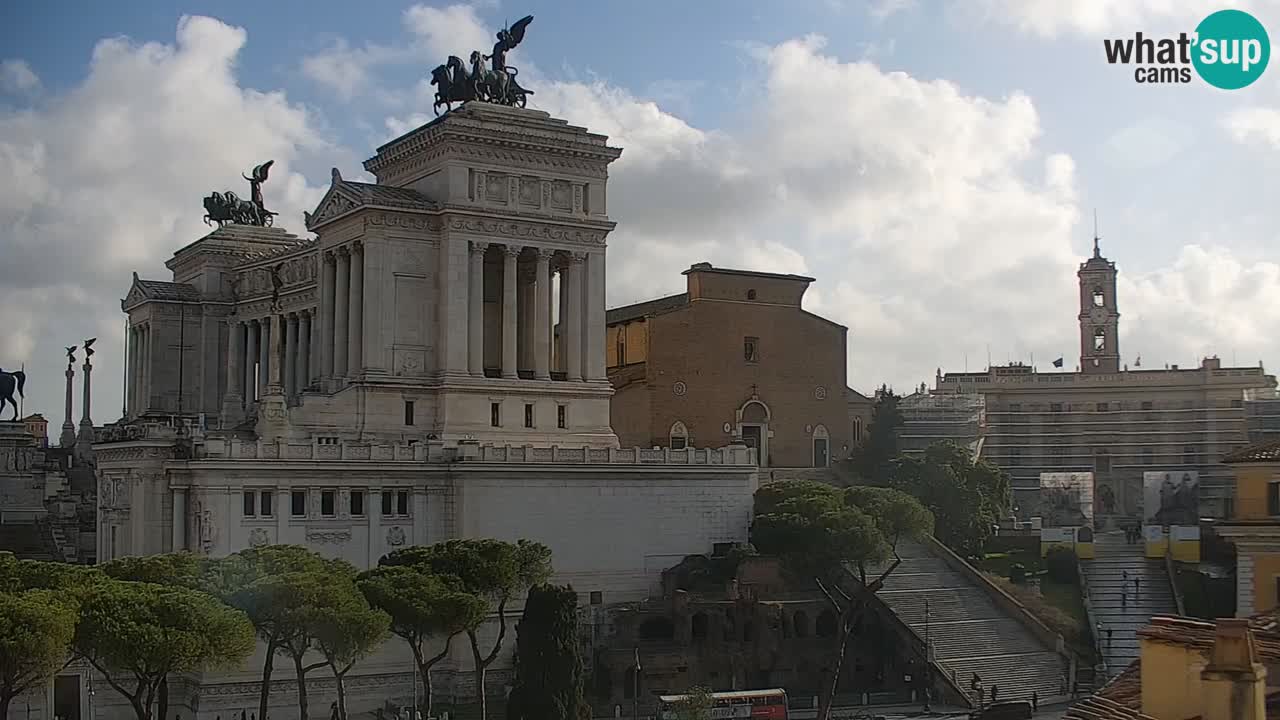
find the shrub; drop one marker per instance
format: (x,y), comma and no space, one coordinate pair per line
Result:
(1061,565)
(1018,573)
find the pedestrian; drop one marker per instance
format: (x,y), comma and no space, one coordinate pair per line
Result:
(1124,575)
(1135,587)
(1109,631)
(995,691)
(1124,599)
(1035,702)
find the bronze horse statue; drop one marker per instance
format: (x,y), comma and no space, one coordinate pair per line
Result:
(9,382)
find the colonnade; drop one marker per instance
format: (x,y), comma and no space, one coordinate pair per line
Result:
(138,392)
(251,357)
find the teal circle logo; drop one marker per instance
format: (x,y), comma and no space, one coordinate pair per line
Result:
(1231,49)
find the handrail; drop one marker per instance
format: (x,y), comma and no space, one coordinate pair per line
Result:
(1093,627)
(1173,579)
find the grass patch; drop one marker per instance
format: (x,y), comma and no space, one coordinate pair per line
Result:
(1058,605)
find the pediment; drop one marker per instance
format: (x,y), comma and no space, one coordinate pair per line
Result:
(338,201)
(135,295)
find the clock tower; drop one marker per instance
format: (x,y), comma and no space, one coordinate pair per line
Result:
(1099,318)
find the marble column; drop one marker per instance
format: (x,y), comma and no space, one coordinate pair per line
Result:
(291,356)
(510,254)
(233,398)
(572,329)
(265,332)
(328,278)
(593,362)
(561,338)
(303,372)
(148,349)
(355,312)
(253,340)
(475,310)
(342,308)
(542,316)
(131,363)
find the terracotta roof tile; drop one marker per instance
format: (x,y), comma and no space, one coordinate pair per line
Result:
(1268,451)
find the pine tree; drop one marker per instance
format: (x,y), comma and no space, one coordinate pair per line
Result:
(548,680)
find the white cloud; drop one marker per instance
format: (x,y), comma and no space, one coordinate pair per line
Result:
(1260,125)
(17,78)
(1050,18)
(108,177)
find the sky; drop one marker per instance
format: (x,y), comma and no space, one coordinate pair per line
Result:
(935,165)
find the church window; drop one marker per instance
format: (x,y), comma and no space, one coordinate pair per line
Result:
(1098,299)
(751,294)
(327,503)
(402,502)
(622,345)
(357,503)
(495,414)
(679,436)
(250,503)
(1099,339)
(298,503)
(528,415)
(408,412)
(265,505)
(751,349)
(560,420)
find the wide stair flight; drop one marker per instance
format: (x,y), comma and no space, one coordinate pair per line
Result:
(1116,607)
(968,632)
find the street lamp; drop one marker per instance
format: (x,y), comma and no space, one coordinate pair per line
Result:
(928,658)
(635,696)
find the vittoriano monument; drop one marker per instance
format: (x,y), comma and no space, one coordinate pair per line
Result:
(227,207)
(495,84)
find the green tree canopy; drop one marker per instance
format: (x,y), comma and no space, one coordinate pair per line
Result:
(495,570)
(183,569)
(346,629)
(966,496)
(423,606)
(696,704)
(135,634)
(548,681)
(36,628)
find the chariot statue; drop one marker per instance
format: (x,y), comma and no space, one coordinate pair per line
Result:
(494,84)
(227,208)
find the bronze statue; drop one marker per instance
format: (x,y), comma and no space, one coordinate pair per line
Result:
(71,355)
(276,284)
(227,208)
(88,348)
(10,382)
(495,84)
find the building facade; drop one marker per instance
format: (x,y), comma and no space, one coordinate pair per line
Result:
(392,382)
(1111,420)
(1254,526)
(929,418)
(734,358)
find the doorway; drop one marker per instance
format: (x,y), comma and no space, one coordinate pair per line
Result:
(66,697)
(751,437)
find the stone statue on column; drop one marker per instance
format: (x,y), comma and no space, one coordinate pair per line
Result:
(68,437)
(84,444)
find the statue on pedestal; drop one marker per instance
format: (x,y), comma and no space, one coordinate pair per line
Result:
(494,84)
(226,208)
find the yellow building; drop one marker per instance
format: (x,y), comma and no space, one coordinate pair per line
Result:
(1254,527)
(1194,669)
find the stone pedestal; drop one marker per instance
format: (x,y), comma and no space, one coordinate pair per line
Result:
(21,491)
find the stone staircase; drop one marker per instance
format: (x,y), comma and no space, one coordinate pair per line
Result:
(968,632)
(1113,606)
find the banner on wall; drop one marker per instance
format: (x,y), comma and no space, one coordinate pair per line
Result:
(1171,498)
(1066,500)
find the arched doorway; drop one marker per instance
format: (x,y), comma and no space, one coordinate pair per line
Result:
(821,447)
(753,426)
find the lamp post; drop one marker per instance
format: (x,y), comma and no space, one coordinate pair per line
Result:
(635,696)
(928,658)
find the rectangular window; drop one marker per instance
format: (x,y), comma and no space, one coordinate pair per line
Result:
(298,503)
(528,415)
(560,416)
(357,503)
(402,502)
(1103,407)
(327,503)
(386,502)
(250,506)
(1273,498)
(597,597)
(495,414)
(408,412)
(267,499)
(751,349)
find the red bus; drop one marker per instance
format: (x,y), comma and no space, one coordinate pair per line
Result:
(755,704)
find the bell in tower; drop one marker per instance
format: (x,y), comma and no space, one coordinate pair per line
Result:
(1099,317)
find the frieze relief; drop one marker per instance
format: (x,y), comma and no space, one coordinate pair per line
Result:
(403,220)
(16,460)
(258,537)
(529,231)
(323,537)
(395,536)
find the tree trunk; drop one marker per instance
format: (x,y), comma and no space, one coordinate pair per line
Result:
(481,666)
(342,693)
(424,670)
(164,697)
(268,665)
(302,688)
(824,709)
(5,699)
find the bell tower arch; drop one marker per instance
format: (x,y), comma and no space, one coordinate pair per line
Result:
(1099,315)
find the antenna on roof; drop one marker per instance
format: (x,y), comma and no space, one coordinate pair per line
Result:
(1096,251)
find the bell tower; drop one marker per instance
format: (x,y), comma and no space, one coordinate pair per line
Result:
(1099,317)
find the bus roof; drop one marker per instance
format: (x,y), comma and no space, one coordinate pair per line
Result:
(729,695)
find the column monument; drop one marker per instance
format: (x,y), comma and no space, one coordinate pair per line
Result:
(68,437)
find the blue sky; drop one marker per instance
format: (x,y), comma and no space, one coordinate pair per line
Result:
(935,165)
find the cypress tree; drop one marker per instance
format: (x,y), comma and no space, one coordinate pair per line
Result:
(548,682)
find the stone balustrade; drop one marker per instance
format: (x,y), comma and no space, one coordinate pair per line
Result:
(436,451)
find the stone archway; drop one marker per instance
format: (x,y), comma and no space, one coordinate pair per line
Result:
(753,420)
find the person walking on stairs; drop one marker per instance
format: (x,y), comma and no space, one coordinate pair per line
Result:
(1109,631)
(1135,587)
(1035,701)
